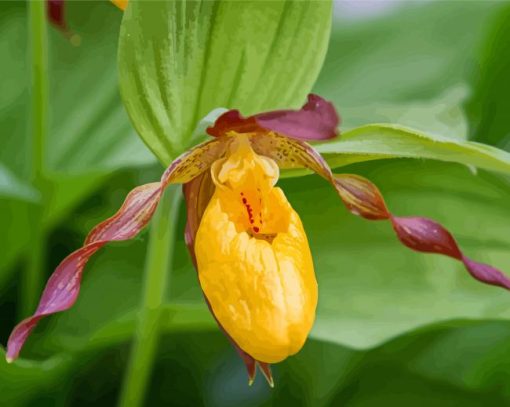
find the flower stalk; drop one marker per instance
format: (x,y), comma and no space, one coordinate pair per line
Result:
(32,277)
(156,282)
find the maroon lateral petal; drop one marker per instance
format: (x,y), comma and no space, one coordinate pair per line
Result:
(316,120)
(425,235)
(63,286)
(486,274)
(419,234)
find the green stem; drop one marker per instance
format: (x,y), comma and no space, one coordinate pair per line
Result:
(157,270)
(32,278)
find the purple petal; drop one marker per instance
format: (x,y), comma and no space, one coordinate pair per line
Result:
(486,274)
(425,235)
(316,120)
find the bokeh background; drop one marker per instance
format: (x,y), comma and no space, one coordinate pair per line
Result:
(394,328)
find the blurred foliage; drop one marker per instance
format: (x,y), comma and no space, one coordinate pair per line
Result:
(436,336)
(89,135)
(489,104)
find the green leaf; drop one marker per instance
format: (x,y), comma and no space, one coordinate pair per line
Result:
(383,141)
(179,60)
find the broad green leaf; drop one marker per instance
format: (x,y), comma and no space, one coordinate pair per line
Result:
(489,104)
(179,60)
(382,141)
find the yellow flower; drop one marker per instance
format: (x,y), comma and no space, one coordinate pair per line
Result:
(254,263)
(246,241)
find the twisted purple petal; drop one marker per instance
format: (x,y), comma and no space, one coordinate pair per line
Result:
(63,287)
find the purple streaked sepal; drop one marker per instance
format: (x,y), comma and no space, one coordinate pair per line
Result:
(316,120)
(425,235)
(486,274)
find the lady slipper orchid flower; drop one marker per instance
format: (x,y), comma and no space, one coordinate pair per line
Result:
(246,242)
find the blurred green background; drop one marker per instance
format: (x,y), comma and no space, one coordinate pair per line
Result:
(394,328)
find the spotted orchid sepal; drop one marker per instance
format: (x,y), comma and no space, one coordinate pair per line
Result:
(63,287)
